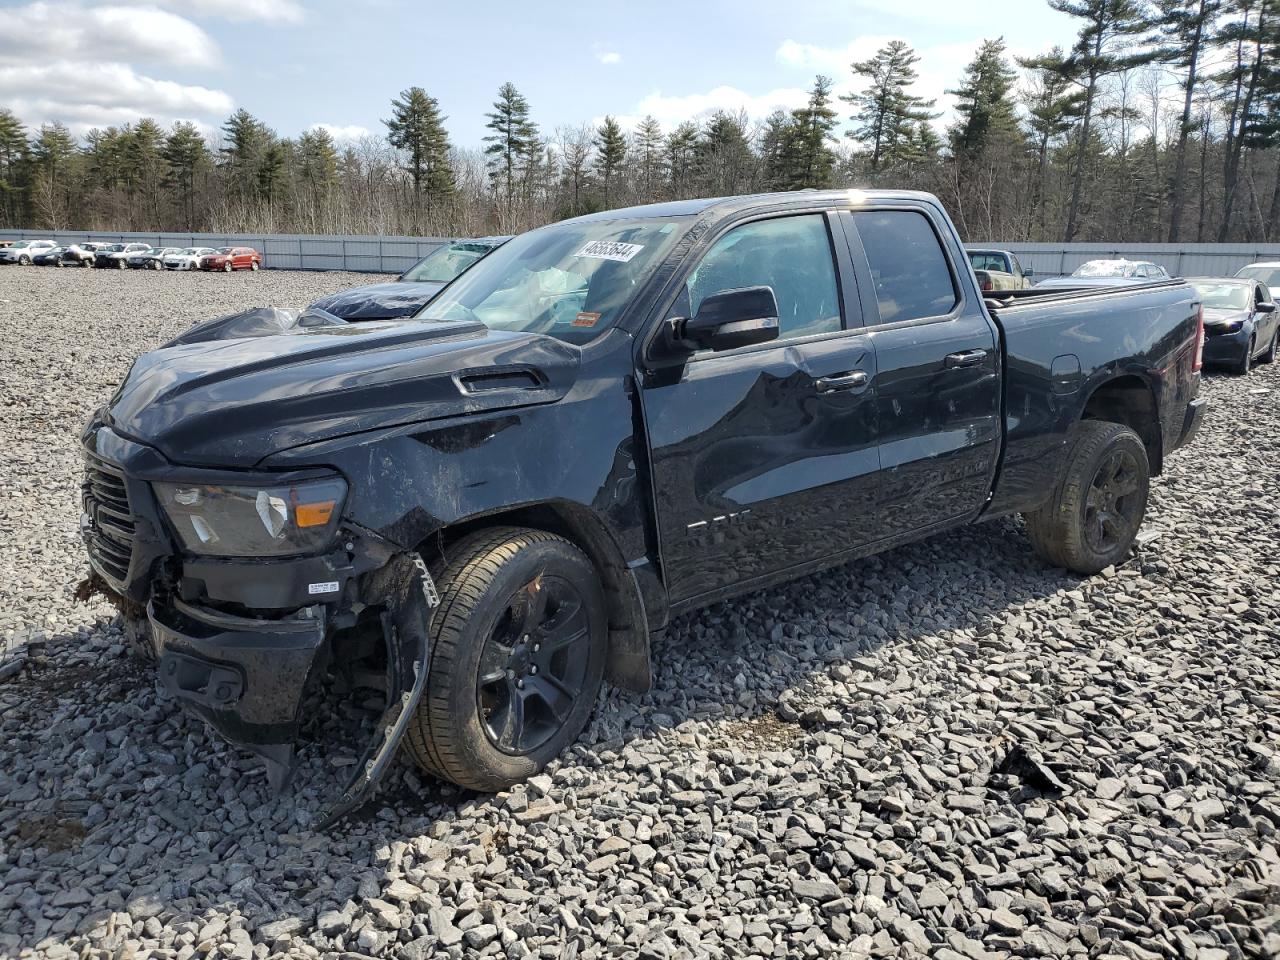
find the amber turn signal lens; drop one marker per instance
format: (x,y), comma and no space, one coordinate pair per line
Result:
(314,514)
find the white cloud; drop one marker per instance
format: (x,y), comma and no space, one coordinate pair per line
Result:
(84,96)
(69,32)
(348,134)
(269,11)
(609,57)
(672,110)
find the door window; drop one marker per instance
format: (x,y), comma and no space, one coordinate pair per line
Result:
(790,254)
(908,269)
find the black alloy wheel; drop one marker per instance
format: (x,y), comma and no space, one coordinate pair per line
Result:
(1113,508)
(533,666)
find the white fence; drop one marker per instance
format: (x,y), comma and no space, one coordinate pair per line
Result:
(279,251)
(1180,259)
(397,254)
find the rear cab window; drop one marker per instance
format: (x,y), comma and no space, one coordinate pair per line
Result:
(910,274)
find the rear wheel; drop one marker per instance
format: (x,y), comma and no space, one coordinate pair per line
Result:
(517,657)
(24,261)
(226,267)
(1093,515)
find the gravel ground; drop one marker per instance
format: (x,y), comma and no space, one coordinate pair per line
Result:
(948,751)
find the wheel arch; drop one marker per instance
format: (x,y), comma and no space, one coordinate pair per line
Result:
(628,664)
(1130,401)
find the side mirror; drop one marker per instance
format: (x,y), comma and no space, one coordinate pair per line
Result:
(732,318)
(1028,272)
(1265,308)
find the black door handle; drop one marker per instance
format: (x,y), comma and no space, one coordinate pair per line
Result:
(852,380)
(966,358)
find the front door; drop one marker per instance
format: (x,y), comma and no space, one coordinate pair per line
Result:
(938,383)
(764,457)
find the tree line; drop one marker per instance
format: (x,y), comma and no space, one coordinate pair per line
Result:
(1159,122)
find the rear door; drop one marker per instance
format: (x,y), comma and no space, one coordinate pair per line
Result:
(764,457)
(937,383)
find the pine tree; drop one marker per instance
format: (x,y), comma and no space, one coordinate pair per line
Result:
(271,169)
(807,159)
(513,143)
(143,152)
(681,148)
(53,153)
(1105,46)
(723,161)
(318,162)
(13,154)
(1054,104)
(185,154)
(611,153)
(886,113)
(1184,33)
(984,105)
(1248,35)
(777,149)
(649,160)
(417,128)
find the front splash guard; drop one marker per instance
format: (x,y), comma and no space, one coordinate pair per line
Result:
(405,588)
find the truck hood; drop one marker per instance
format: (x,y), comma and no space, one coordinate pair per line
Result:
(232,402)
(380,301)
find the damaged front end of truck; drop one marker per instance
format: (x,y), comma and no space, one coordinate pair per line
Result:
(242,643)
(251,584)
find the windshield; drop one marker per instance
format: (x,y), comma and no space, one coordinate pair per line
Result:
(1223,296)
(223,250)
(1104,268)
(441,266)
(569,280)
(1270,276)
(112,248)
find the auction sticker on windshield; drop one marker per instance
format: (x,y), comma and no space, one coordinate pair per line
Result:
(610,250)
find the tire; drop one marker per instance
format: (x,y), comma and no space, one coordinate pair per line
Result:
(1270,355)
(1241,368)
(226,267)
(253,265)
(24,261)
(1071,529)
(469,729)
(121,265)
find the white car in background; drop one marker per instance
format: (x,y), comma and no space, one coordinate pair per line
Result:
(187,259)
(1266,273)
(23,250)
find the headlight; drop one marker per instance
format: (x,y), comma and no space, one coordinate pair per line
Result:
(250,521)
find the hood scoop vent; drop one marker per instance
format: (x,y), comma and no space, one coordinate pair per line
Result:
(490,380)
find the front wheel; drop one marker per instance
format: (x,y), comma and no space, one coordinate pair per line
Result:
(24,261)
(226,267)
(1093,515)
(1270,355)
(518,646)
(1242,366)
(253,265)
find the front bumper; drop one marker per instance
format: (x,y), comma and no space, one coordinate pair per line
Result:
(1222,348)
(244,676)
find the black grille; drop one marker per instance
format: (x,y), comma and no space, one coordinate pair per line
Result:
(109,536)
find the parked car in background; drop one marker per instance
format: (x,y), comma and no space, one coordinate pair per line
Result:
(80,254)
(231,258)
(187,258)
(49,258)
(606,423)
(414,288)
(998,269)
(1109,273)
(24,251)
(150,259)
(1266,273)
(1240,321)
(117,254)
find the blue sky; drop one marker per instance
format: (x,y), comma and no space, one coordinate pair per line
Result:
(299,63)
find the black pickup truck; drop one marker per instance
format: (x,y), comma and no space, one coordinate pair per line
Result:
(605,423)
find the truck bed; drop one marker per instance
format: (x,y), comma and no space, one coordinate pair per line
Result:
(1060,344)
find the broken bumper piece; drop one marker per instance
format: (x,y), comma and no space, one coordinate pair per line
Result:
(245,677)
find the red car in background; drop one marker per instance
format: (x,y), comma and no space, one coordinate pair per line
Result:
(232,258)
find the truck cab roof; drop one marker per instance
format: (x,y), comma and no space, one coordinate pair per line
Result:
(730,205)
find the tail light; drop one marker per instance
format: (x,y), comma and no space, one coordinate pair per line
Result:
(1198,362)
(987,286)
